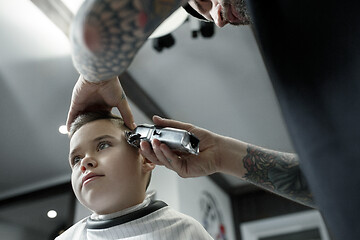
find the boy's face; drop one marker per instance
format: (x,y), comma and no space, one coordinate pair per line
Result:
(108,175)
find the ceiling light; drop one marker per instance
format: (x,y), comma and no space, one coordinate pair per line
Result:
(171,23)
(52,214)
(73,5)
(63,129)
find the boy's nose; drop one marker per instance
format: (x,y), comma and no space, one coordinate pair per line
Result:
(216,14)
(88,163)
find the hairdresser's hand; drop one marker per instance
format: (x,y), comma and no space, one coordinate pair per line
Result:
(186,165)
(104,95)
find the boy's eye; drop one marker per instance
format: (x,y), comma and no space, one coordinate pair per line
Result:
(103,145)
(76,160)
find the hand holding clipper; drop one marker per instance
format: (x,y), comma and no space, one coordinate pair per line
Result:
(175,139)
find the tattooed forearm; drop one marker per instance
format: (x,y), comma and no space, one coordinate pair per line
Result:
(106,34)
(277,172)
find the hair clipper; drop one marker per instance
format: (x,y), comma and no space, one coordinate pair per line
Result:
(175,139)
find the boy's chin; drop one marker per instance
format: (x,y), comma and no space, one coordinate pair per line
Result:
(107,205)
(102,206)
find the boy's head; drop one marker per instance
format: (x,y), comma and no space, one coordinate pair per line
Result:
(108,175)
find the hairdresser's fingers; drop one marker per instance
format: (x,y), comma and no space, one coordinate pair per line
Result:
(75,106)
(163,122)
(125,112)
(111,94)
(176,161)
(71,115)
(147,152)
(160,156)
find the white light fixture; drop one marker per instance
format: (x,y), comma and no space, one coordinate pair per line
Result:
(52,214)
(63,129)
(169,25)
(175,20)
(73,5)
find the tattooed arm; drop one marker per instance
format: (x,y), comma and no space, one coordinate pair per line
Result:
(277,172)
(106,35)
(274,171)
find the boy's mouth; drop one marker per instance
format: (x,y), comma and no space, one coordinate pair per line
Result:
(90,177)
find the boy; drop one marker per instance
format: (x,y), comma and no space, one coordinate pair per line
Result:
(110,178)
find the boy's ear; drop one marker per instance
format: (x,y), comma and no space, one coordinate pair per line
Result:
(147,165)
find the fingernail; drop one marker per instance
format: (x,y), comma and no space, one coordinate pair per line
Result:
(155,143)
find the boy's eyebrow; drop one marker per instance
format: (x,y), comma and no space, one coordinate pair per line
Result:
(94,140)
(102,137)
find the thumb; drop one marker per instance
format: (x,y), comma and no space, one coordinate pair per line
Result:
(163,122)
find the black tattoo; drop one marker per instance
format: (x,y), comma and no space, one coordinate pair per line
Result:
(106,34)
(277,172)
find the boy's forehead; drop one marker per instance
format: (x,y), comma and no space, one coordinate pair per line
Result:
(94,129)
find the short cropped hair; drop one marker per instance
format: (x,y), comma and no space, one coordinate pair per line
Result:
(88,117)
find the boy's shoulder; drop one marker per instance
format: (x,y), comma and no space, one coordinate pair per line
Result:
(171,215)
(75,231)
(172,223)
(163,221)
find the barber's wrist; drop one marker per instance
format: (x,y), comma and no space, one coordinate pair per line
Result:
(220,145)
(99,82)
(232,151)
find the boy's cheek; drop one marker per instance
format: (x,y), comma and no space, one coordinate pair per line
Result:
(74,181)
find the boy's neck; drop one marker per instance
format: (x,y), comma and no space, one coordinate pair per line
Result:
(146,201)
